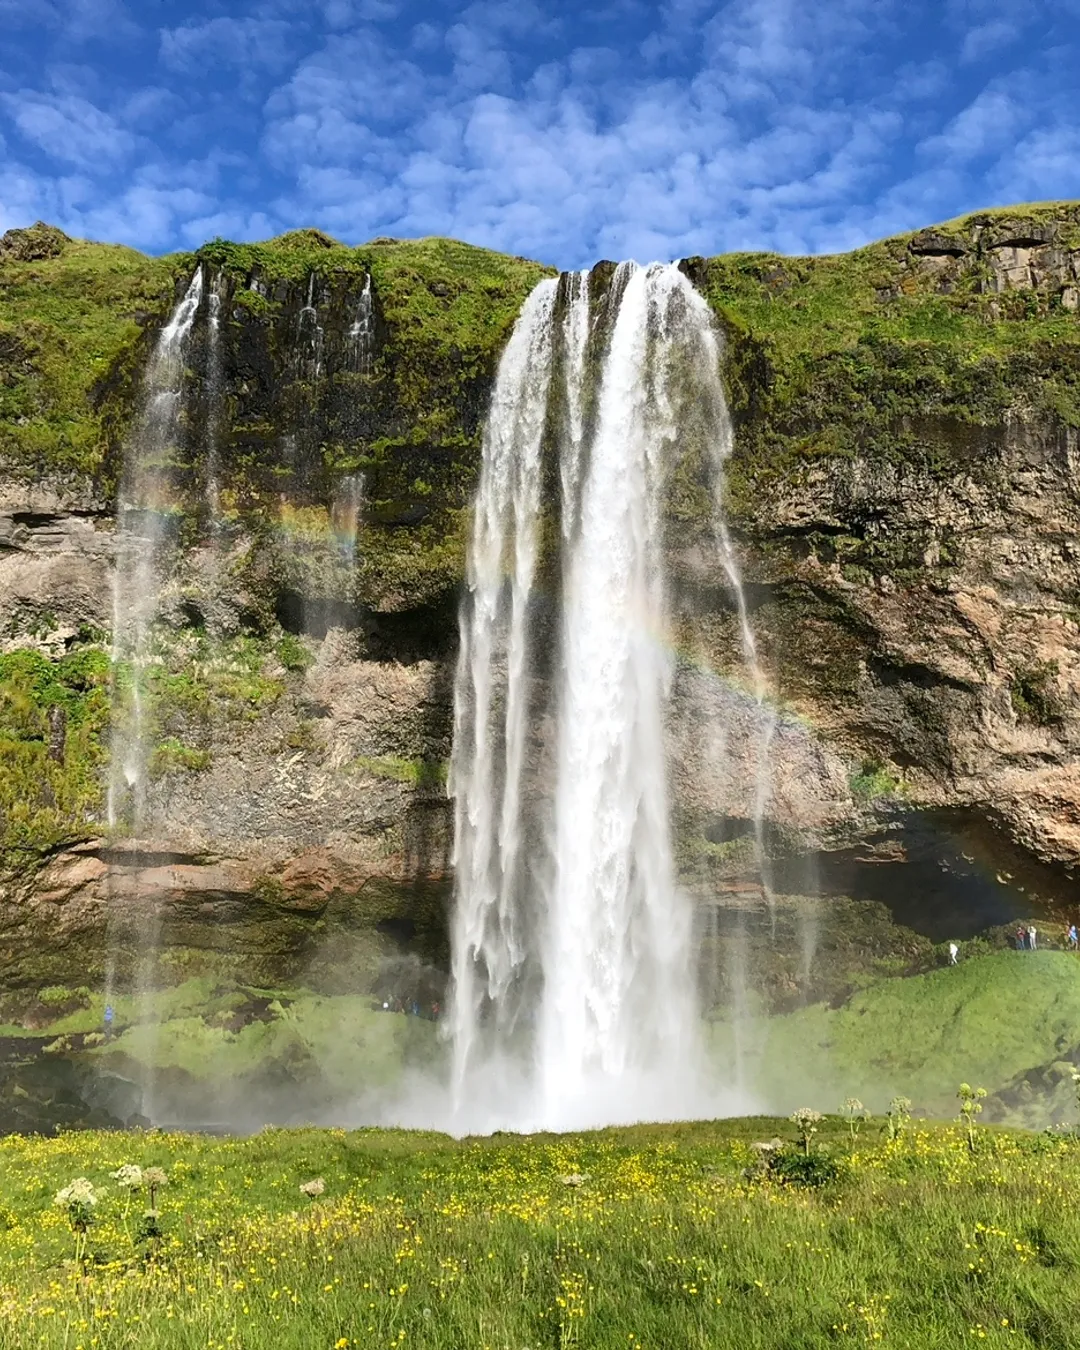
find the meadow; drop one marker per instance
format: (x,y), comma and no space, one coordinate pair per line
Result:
(653,1238)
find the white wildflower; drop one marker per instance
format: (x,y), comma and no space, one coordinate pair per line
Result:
(78,1192)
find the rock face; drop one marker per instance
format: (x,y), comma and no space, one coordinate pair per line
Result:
(904,495)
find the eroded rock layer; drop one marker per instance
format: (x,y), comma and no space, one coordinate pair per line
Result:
(904,497)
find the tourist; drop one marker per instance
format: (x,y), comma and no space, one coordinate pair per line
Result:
(954,952)
(1021,939)
(108,1021)
(1072,937)
(1031,936)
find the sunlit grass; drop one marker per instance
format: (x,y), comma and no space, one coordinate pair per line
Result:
(651,1236)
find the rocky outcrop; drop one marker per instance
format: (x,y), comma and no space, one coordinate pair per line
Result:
(903,491)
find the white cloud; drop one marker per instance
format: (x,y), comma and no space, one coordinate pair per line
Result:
(69,128)
(688,125)
(990,122)
(986,39)
(228,42)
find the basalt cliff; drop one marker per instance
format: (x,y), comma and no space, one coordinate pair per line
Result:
(904,499)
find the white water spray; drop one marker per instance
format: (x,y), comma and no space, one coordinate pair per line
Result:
(489,941)
(573,974)
(144,525)
(361,334)
(143,519)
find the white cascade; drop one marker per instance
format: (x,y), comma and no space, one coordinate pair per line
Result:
(214,387)
(309,337)
(142,528)
(574,999)
(575,335)
(490,694)
(361,335)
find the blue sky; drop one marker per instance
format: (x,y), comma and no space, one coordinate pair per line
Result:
(565,132)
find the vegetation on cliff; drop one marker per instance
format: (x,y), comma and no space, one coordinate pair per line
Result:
(54,718)
(915,349)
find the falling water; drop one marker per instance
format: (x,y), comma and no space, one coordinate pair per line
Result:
(572,941)
(489,939)
(617,1003)
(309,337)
(575,342)
(345,516)
(144,527)
(143,520)
(214,386)
(361,335)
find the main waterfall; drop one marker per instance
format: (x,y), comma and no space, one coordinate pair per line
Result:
(574,992)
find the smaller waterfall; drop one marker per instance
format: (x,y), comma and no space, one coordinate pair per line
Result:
(143,527)
(345,516)
(214,390)
(309,337)
(145,530)
(360,344)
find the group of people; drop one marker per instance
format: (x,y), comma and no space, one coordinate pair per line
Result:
(1026,940)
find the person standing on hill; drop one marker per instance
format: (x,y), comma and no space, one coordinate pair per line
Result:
(1021,939)
(1031,936)
(1071,938)
(954,952)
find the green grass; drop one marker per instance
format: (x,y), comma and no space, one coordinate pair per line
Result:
(670,1237)
(986,1020)
(416,772)
(71,340)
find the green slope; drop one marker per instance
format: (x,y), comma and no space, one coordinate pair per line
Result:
(983,1022)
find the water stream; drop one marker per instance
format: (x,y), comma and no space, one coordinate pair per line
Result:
(574,994)
(146,528)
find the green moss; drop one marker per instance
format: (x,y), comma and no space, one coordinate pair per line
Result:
(416,772)
(873,781)
(983,1021)
(71,340)
(50,775)
(1033,696)
(877,354)
(292,653)
(171,756)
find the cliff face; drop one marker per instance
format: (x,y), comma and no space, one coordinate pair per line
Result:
(903,495)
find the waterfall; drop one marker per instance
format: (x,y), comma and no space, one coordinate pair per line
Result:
(573,999)
(143,527)
(489,946)
(309,337)
(214,387)
(575,341)
(361,336)
(345,516)
(616,998)
(144,530)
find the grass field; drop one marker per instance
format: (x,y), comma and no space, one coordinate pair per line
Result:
(992,1018)
(225,1052)
(658,1237)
